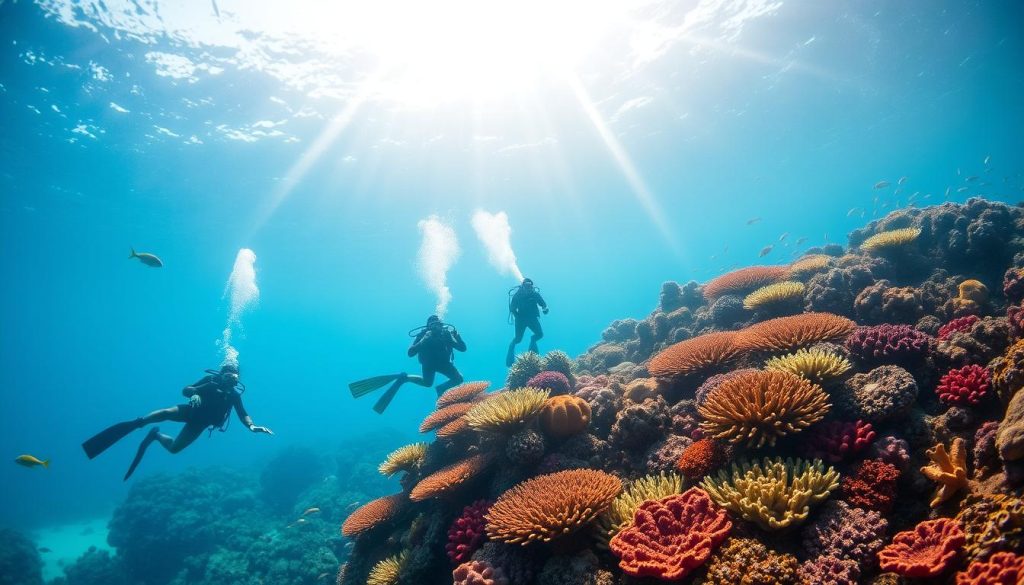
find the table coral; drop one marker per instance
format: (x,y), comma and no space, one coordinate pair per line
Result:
(966,385)
(786,334)
(372,514)
(699,354)
(948,469)
(744,280)
(929,550)
(450,477)
(462,393)
(774,295)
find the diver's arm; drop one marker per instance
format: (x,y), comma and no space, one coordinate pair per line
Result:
(457,342)
(540,301)
(415,347)
(246,419)
(192,390)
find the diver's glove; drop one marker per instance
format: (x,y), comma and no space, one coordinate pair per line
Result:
(545,309)
(195,401)
(259,429)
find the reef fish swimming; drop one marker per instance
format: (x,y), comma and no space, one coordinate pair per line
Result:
(766,250)
(146,258)
(882,184)
(30,461)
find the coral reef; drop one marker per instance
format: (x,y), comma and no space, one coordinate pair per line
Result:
(948,469)
(992,522)
(19,560)
(372,514)
(506,412)
(774,296)
(700,354)
(466,533)
(889,240)
(1010,437)
(386,571)
(787,334)
(929,550)
(407,459)
(827,570)
(842,531)
(564,415)
(446,414)
(701,458)
(450,478)
(958,325)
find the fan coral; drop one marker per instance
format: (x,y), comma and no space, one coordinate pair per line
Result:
(1008,371)
(691,356)
(478,573)
(453,428)
(829,571)
(948,469)
(966,385)
(445,415)
(816,364)
(959,324)
(774,294)
(650,487)
(386,572)
(759,407)
(835,441)
(548,506)
(449,478)
(889,344)
(555,383)
(407,458)
(505,412)
(672,536)
(872,485)
(928,550)
(1010,437)
(1001,569)
(372,514)
(889,240)
(992,522)
(773,494)
(466,533)
(564,415)
(785,334)
(462,393)
(809,264)
(845,532)
(745,561)
(744,280)
(701,458)
(884,393)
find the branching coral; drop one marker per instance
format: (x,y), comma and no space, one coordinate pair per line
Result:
(505,412)
(948,469)
(650,487)
(407,458)
(889,344)
(837,440)
(929,550)
(449,478)
(462,393)
(445,415)
(774,493)
(1001,569)
(671,537)
(563,415)
(889,240)
(745,561)
(744,280)
(966,385)
(691,356)
(992,522)
(548,506)
(785,334)
(960,324)
(759,407)
(816,364)
(809,265)
(386,572)
(772,295)
(372,514)
(466,533)
(872,485)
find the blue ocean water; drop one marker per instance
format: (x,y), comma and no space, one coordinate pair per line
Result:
(682,139)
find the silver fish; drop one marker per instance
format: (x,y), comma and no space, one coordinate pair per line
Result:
(147,259)
(882,184)
(766,250)
(902,180)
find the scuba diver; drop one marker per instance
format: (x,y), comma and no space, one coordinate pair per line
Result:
(522,309)
(209,405)
(434,344)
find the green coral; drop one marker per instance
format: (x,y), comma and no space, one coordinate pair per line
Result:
(526,366)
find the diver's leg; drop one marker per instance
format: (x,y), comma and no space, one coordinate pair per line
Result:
(538,334)
(454,378)
(152,435)
(189,433)
(427,379)
(510,357)
(174,413)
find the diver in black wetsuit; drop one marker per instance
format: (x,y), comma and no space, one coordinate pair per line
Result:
(522,307)
(210,401)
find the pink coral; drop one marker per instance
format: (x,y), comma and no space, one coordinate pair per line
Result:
(889,344)
(928,550)
(961,324)
(892,450)
(478,573)
(467,532)
(672,536)
(872,485)
(835,441)
(1001,569)
(555,383)
(966,385)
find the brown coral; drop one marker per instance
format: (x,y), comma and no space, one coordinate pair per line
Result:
(444,415)
(690,356)
(744,280)
(548,506)
(462,393)
(449,478)
(786,334)
(745,561)
(992,522)
(372,514)
(564,415)
(758,407)
(948,469)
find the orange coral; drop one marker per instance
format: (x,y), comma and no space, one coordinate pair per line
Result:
(453,428)
(926,551)
(700,458)
(744,280)
(1002,569)
(786,334)
(564,415)
(448,478)
(948,469)
(694,355)
(445,415)
(758,407)
(462,393)
(372,514)
(548,506)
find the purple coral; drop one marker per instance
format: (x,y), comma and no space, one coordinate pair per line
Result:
(838,440)
(830,571)
(986,455)
(892,450)
(845,532)
(664,455)
(889,344)
(555,383)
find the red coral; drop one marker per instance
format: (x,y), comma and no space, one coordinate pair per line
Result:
(837,440)
(966,385)
(872,485)
(671,537)
(1001,569)
(926,551)
(1015,319)
(889,344)
(467,532)
(959,324)
(700,458)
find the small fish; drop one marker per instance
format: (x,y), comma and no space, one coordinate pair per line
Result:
(801,241)
(972,178)
(826,236)
(147,259)
(766,250)
(298,522)
(313,510)
(927,196)
(30,461)
(753,220)
(782,238)
(321,576)
(902,180)
(43,549)
(987,158)
(948,191)
(853,210)
(961,189)
(714,257)
(882,184)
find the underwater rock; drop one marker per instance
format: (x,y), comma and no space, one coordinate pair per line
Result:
(638,426)
(525,447)
(20,563)
(1010,438)
(580,569)
(885,393)
(883,303)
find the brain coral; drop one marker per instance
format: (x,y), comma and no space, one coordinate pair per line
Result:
(745,561)
(691,356)
(773,494)
(506,412)
(462,393)
(816,364)
(672,536)
(759,407)
(948,469)
(650,487)
(966,385)
(445,415)
(872,485)
(929,550)
(890,240)
(838,440)
(885,393)
(772,295)
(845,532)
(992,522)
(889,344)
(744,280)
(466,533)
(555,383)
(372,514)
(386,572)
(478,573)
(564,415)
(1002,569)
(407,458)
(785,334)
(548,506)
(449,478)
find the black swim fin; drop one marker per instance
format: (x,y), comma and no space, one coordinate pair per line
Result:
(107,437)
(149,438)
(388,395)
(364,387)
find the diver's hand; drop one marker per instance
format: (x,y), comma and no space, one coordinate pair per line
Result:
(545,309)
(259,429)
(195,401)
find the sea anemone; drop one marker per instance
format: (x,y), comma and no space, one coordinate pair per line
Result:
(407,458)
(386,572)
(785,334)
(889,240)
(773,295)
(650,487)
(759,407)
(744,280)
(449,478)
(462,393)
(703,353)
(372,514)
(816,364)
(505,412)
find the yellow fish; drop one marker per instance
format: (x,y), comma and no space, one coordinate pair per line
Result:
(30,461)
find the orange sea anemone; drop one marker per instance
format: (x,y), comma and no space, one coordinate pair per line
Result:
(786,334)
(449,478)
(462,393)
(372,514)
(690,356)
(744,280)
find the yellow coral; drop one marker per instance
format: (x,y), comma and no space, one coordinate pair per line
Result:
(948,469)
(992,522)
(386,572)
(809,264)
(407,458)
(974,291)
(774,493)
(619,515)
(774,294)
(505,412)
(890,239)
(641,389)
(815,364)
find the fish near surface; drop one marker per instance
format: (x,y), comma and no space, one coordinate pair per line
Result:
(146,258)
(30,461)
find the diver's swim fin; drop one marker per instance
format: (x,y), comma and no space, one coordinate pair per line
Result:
(107,437)
(149,438)
(364,387)
(388,395)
